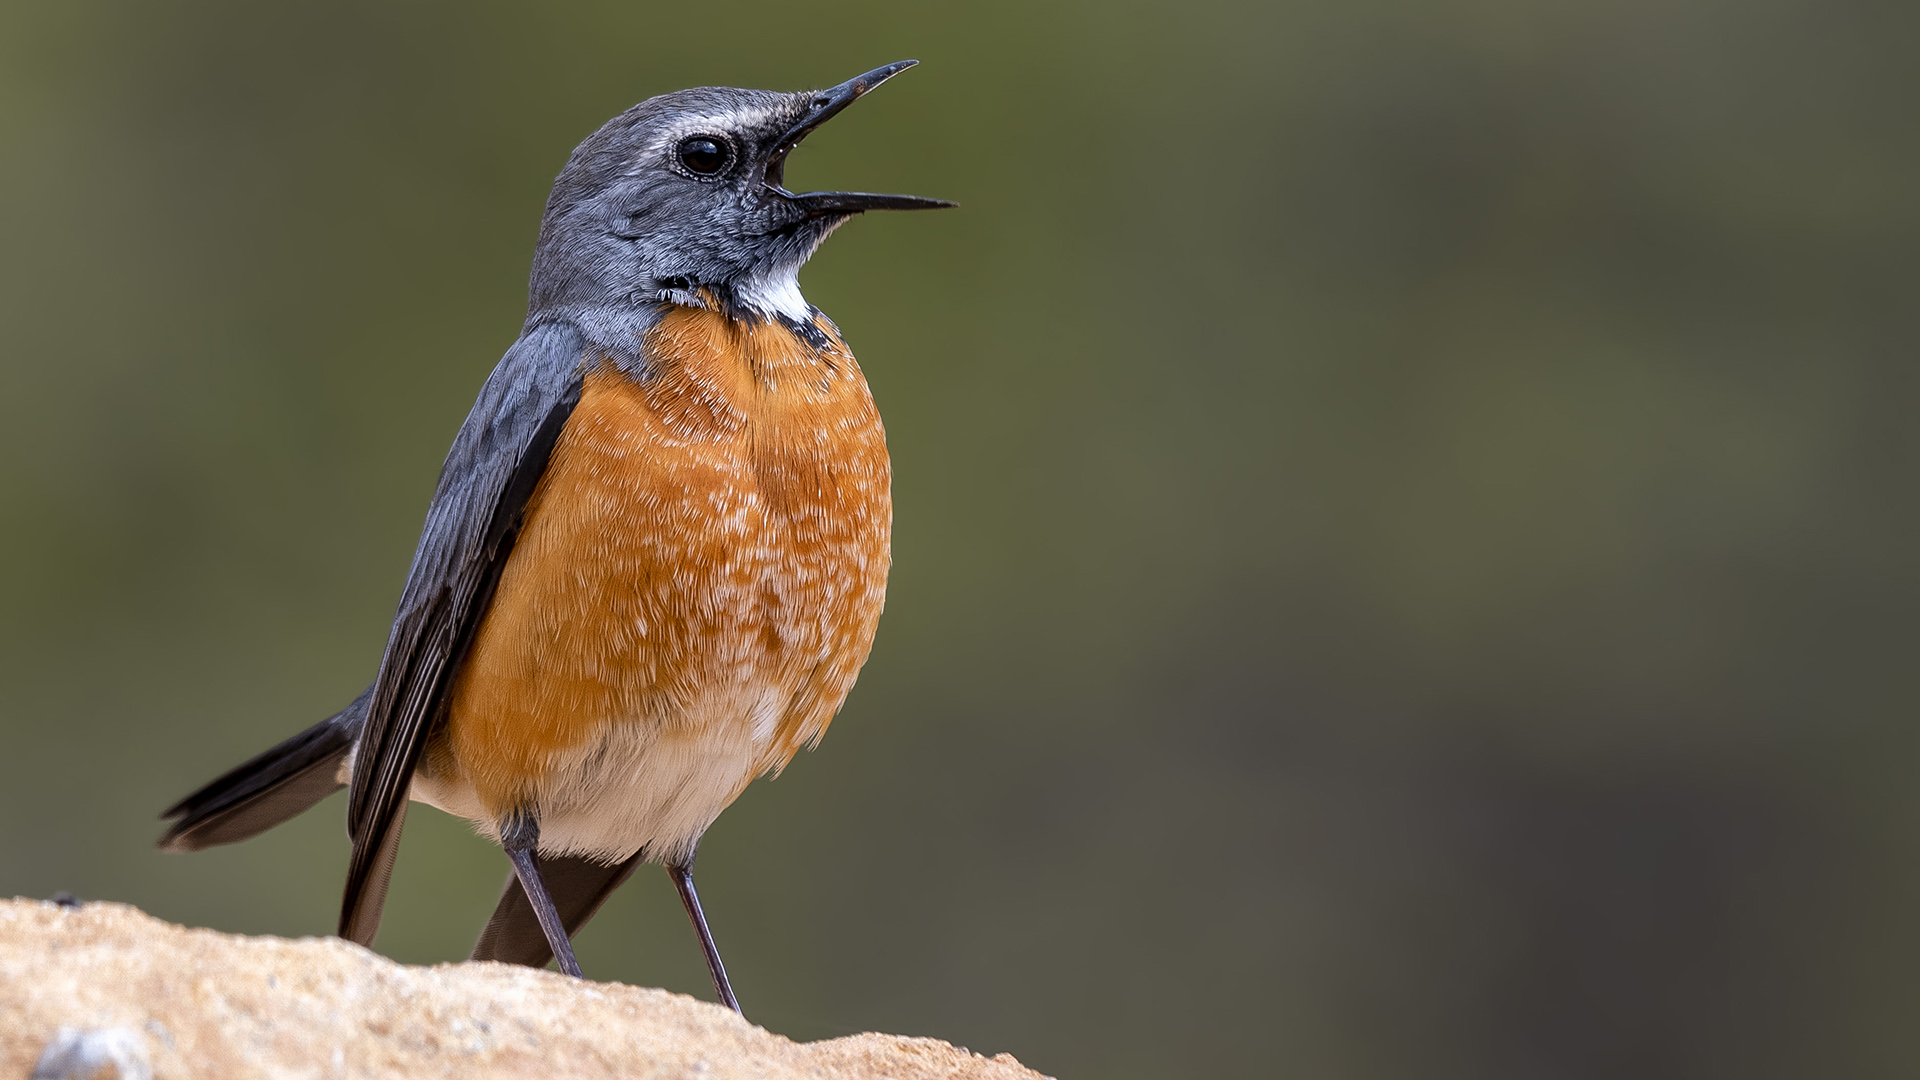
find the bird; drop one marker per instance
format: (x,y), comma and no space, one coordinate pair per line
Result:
(656,555)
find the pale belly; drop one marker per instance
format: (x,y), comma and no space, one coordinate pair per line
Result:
(689,601)
(635,783)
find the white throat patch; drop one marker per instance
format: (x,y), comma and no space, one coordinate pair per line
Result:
(776,292)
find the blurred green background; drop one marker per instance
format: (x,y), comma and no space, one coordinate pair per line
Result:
(1406,520)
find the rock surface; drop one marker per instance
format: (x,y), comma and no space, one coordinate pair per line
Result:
(105,991)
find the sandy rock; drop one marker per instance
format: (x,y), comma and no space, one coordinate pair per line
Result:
(105,991)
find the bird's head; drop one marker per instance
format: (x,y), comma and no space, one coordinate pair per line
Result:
(684,195)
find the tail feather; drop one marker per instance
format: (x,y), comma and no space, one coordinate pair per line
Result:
(578,887)
(268,789)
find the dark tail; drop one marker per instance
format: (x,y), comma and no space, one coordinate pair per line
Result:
(268,789)
(578,887)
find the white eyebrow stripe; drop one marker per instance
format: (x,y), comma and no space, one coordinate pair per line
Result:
(719,123)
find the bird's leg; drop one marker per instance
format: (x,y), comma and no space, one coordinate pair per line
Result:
(520,836)
(682,874)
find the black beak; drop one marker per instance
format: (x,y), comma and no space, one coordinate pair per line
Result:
(825,106)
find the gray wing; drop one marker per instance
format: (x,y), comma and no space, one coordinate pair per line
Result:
(496,461)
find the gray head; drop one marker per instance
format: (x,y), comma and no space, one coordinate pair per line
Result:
(684,193)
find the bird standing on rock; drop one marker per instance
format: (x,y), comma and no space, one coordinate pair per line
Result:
(657,552)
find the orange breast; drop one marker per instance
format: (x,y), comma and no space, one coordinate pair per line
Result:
(716,532)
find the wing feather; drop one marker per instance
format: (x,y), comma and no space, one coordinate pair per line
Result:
(496,461)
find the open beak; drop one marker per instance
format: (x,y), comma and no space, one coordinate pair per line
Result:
(827,104)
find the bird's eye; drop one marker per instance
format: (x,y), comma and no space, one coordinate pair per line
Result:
(704,154)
